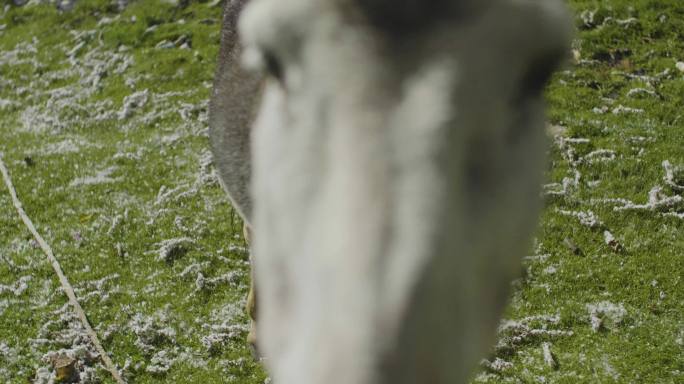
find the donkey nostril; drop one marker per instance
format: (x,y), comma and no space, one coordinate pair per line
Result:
(273,66)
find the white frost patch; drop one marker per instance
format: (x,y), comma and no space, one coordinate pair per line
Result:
(622,110)
(568,184)
(207,172)
(18,287)
(70,106)
(484,377)
(23,54)
(680,66)
(549,358)
(205,176)
(116,221)
(164,194)
(6,104)
(96,288)
(611,241)
(224,326)
(641,91)
(599,156)
(68,340)
(156,338)
(132,103)
(513,333)
(238,249)
(605,313)
(673,175)
(498,365)
(586,218)
(160,363)
(151,331)
(65,146)
(222,334)
(171,139)
(609,369)
(8,354)
(81,359)
(677,215)
(170,249)
(665,74)
(600,110)
(100,177)
(572,140)
(163,360)
(209,284)
(194,268)
(658,201)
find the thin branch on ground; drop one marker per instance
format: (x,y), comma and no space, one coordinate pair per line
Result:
(106,360)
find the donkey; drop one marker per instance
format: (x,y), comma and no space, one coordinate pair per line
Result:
(388,157)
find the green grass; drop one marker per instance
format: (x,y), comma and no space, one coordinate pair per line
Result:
(147,305)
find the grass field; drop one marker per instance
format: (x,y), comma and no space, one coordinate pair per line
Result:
(103,126)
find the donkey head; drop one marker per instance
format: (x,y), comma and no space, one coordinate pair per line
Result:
(396,164)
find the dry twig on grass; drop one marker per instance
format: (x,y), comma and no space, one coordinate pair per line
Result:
(106,360)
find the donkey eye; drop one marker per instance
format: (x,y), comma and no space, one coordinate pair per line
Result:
(539,73)
(263,61)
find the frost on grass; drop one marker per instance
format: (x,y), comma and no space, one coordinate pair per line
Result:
(170,250)
(657,201)
(207,173)
(549,357)
(163,360)
(515,334)
(70,350)
(599,156)
(97,289)
(611,241)
(101,177)
(152,332)
(86,65)
(622,110)
(569,184)
(54,110)
(658,198)
(674,176)
(167,198)
(205,284)
(497,365)
(24,53)
(586,218)
(132,103)
(7,104)
(157,339)
(531,329)
(8,355)
(226,325)
(605,315)
(66,146)
(17,288)
(637,92)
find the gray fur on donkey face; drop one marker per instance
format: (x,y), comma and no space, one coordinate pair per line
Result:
(395,174)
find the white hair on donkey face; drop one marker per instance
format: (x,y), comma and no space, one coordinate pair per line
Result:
(395,180)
